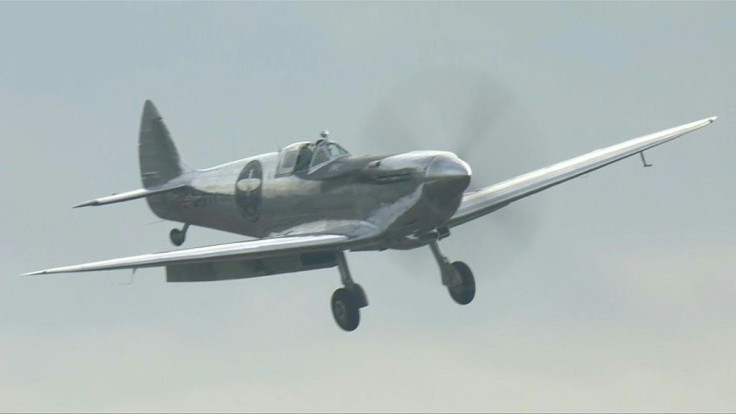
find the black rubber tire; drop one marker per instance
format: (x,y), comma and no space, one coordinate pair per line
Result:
(345,309)
(177,237)
(464,292)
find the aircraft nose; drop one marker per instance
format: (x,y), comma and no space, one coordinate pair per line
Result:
(448,168)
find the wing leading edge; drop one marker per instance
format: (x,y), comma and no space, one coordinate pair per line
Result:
(479,203)
(252,249)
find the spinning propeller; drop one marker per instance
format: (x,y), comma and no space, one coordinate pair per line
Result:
(467,113)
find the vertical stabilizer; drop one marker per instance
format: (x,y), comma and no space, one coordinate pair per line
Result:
(159,159)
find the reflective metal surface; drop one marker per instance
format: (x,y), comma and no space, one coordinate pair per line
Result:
(448,167)
(316,197)
(397,195)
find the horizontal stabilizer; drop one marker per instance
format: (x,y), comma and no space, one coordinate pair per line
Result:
(131,195)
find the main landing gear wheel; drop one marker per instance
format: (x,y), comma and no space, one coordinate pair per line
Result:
(456,276)
(178,236)
(465,291)
(347,301)
(345,309)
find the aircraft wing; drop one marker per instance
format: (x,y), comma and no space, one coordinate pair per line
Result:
(479,203)
(252,249)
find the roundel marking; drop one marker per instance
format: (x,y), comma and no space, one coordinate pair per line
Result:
(248,191)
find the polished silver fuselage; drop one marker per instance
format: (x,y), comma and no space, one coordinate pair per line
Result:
(395,198)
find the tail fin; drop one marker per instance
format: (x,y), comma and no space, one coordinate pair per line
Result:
(159,159)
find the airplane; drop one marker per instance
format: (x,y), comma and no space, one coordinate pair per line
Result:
(310,202)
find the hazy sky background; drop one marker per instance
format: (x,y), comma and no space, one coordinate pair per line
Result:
(608,293)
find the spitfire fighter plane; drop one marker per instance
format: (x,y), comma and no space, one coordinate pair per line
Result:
(310,202)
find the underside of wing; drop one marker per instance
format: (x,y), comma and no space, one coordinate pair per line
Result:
(478,203)
(187,260)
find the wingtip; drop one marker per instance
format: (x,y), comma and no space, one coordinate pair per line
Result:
(702,122)
(86,204)
(36,273)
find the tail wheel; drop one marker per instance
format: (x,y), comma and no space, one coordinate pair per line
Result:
(177,237)
(465,291)
(345,309)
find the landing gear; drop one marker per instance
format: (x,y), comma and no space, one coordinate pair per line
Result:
(465,291)
(178,236)
(456,276)
(347,301)
(345,309)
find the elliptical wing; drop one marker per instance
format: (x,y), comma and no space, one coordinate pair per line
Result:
(486,200)
(253,249)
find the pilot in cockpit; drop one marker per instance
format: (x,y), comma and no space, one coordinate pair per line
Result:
(314,154)
(304,158)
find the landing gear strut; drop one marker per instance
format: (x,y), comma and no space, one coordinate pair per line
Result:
(347,301)
(178,236)
(456,276)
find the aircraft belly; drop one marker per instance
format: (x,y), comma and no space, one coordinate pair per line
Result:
(242,269)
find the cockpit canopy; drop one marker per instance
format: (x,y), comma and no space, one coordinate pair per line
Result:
(303,156)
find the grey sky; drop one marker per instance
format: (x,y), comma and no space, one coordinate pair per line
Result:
(611,292)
